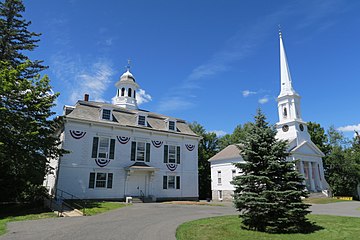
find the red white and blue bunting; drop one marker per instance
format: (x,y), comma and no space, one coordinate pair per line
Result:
(157,144)
(189,147)
(77,134)
(101,162)
(171,166)
(123,140)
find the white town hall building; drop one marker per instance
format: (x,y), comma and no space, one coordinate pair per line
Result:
(117,150)
(290,127)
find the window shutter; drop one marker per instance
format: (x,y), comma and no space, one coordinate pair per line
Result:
(112,148)
(109,180)
(133,150)
(166,152)
(92,180)
(177,182)
(95,147)
(178,154)
(165,182)
(147,152)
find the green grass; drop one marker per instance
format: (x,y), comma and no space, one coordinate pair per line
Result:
(228,228)
(96,207)
(15,212)
(322,200)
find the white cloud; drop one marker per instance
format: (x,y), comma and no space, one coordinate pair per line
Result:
(263,100)
(219,133)
(174,103)
(143,97)
(349,128)
(247,93)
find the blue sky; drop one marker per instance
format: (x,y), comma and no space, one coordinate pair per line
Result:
(214,62)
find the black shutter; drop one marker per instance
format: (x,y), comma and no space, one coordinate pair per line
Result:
(133,150)
(92,180)
(166,152)
(165,182)
(112,148)
(178,154)
(95,147)
(109,180)
(177,182)
(147,159)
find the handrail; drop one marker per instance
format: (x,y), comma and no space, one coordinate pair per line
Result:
(142,195)
(81,204)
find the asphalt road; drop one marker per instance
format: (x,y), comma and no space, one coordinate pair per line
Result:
(150,221)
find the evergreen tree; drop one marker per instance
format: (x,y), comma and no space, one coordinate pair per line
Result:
(207,149)
(268,194)
(27,139)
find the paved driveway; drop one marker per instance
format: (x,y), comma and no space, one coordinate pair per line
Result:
(151,221)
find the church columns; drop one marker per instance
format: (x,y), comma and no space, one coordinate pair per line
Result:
(302,172)
(311,180)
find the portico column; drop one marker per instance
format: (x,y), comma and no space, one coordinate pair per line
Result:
(310,176)
(317,177)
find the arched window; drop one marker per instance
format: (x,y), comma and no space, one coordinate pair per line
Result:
(122,92)
(118,92)
(129,92)
(134,94)
(285,112)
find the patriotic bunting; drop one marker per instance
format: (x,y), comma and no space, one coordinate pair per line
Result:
(102,162)
(123,140)
(190,147)
(157,144)
(77,134)
(171,166)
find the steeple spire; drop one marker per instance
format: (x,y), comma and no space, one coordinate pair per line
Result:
(286,84)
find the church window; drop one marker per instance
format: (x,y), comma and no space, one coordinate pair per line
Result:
(171,182)
(122,92)
(172,154)
(134,94)
(285,112)
(219,177)
(142,120)
(103,147)
(220,195)
(106,114)
(129,92)
(100,180)
(140,152)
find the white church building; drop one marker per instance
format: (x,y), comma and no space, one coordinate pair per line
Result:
(290,127)
(118,150)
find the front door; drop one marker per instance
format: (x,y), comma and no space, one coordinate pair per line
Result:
(137,184)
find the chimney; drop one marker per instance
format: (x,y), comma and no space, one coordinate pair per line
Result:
(86,97)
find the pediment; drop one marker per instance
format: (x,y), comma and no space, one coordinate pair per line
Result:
(307,148)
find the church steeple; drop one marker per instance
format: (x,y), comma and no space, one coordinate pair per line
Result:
(286,83)
(126,90)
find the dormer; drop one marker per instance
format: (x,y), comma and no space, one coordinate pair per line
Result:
(171,124)
(141,120)
(106,114)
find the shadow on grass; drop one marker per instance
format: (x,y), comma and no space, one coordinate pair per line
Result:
(20,209)
(306,228)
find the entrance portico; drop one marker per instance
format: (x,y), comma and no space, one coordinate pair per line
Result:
(139,180)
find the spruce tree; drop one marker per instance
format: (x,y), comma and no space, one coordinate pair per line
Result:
(268,193)
(27,139)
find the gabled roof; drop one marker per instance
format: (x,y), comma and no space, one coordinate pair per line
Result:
(308,148)
(230,152)
(90,111)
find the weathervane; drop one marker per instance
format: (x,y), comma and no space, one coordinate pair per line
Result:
(128,65)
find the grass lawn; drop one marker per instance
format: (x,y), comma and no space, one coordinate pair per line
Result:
(322,200)
(228,228)
(96,207)
(11,213)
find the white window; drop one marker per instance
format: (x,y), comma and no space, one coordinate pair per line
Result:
(100,180)
(106,114)
(171,182)
(220,195)
(172,154)
(172,126)
(103,147)
(141,120)
(219,177)
(140,151)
